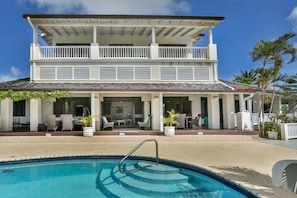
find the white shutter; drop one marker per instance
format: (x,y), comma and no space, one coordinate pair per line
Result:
(185,73)
(142,73)
(47,73)
(168,73)
(107,73)
(82,73)
(125,73)
(64,73)
(201,73)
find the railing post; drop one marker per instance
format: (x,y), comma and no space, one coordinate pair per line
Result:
(212,52)
(154,50)
(94,51)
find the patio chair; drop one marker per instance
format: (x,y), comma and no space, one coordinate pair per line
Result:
(284,175)
(107,124)
(51,123)
(145,123)
(181,121)
(67,122)
(196,122)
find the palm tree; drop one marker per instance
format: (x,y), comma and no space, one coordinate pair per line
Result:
(281,48)
(271,53)
(247,77)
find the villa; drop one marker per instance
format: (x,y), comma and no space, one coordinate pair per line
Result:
(126,68)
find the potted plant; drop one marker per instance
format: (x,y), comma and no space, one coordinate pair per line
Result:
(88,129)
(170,121)
(271,130)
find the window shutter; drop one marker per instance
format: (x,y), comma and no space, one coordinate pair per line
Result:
(201,73)
(142,73)
(64,73)
(107,73)
(185,73)
(125,73)
(168,73)
(47,73)
(82,73)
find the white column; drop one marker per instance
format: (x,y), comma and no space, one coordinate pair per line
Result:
(161,111)
(249,105)
(210,35)
(155,108)
(213,111)
(228,111)
(93,109)
(153,34)
(94,34)
(35,114)
(241,103)
(98,111)
(6,115)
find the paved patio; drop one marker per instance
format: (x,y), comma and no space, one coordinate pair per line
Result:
(245,159)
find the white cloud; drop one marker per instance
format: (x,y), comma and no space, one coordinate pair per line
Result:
(112,6)
(293,18)
(12,75)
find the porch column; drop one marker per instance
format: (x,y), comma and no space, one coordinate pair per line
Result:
(94,48)
(241,103)
(94,34)
(228,111)
(7,115)
(157,111)
(213,111)
(35,114)
(153,34)
(210,35)
(98,111)
(93,108)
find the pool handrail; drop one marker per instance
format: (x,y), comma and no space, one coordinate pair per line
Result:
(133,150)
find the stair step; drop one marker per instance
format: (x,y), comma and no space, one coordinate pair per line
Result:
(156,168)
(148,188)
(155,177)
(113,189)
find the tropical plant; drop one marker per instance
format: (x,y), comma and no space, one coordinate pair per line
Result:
(87,121)
(170,120)
(271,53)
(247,77)
(22,95)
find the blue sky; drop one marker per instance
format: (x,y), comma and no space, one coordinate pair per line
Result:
(246,22)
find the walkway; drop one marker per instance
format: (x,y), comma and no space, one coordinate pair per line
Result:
(244,159)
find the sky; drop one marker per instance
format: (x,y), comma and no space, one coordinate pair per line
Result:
(246,22)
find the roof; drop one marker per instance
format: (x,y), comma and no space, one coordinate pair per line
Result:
(25,84)
(141,25)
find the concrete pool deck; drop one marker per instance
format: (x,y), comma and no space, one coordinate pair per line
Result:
(247,160)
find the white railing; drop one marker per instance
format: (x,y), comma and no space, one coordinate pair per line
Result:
(124,52)
(53,52)
(183,52)
(288,131)
(121,52)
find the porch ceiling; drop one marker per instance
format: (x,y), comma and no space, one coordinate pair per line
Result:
(134,25)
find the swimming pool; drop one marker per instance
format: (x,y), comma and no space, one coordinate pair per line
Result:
(99,176)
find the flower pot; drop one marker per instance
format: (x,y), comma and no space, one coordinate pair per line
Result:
(272,134)
(88,131)
(169,130)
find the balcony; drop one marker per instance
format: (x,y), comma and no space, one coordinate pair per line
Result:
(118,52)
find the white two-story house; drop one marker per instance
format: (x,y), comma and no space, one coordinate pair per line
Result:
(126,67)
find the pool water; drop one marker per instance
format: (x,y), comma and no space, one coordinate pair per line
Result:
(100,177)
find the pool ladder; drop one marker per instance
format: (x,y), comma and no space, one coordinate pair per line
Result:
(133,150)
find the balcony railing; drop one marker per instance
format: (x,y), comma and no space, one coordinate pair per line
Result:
(53,52)
(121,52)
(183,52)
(124,52)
